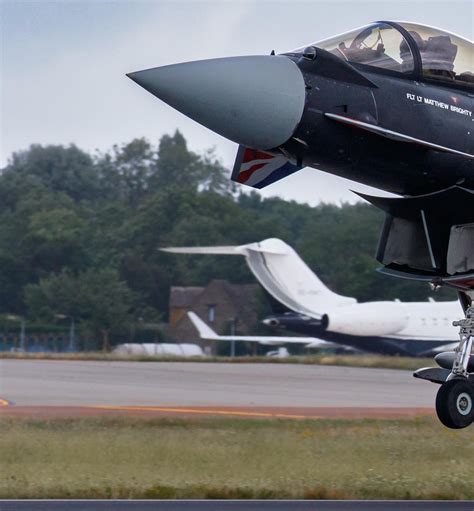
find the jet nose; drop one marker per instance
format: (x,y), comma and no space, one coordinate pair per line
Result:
(256,101)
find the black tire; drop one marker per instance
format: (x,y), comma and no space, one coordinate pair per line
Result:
(455,404)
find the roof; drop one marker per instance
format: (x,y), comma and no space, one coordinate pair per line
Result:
(184,297)
(243,296)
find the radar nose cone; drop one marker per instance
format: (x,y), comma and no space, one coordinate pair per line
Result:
(256,101)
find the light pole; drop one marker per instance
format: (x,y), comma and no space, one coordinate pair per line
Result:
(22,333)
(14,317)
(232,333)
(72,330)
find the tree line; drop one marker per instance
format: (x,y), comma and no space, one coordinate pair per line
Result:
(80,233)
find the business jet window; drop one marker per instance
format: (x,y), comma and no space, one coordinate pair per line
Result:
(444,56)
(377,45)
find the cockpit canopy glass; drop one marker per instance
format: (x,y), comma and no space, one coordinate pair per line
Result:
(379,45)
(444,56)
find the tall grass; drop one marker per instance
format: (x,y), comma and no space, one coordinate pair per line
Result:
(234,458)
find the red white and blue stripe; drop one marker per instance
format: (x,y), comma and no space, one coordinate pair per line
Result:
(260,169)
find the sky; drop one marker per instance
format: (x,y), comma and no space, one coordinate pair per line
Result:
(63,65)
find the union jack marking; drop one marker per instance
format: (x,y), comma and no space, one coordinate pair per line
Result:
(259,169)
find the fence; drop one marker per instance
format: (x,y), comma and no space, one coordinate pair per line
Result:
(47,342)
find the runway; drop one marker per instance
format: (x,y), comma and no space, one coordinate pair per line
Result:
(61,383)
(232,505)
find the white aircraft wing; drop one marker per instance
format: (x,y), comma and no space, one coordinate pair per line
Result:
(206,332)
(218,250)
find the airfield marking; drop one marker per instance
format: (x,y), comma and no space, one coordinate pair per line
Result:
(202,412)
(315,413)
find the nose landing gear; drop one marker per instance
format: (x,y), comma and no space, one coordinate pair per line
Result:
(455,398)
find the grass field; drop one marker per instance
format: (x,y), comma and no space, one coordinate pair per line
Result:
(115,457)
(374,361)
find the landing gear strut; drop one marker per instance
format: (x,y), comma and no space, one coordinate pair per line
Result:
(455,398)
(463,351)
(429,238)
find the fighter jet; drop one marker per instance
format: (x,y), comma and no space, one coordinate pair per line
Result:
(389,105)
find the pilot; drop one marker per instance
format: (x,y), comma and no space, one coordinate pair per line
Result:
(438,57)
(360,52)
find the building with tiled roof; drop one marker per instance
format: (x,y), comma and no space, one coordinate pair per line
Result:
(222,305)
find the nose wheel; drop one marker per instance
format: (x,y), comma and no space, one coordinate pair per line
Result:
(455,398)
(455,404)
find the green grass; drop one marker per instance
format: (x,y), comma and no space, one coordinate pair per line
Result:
(374,361)
(112,457)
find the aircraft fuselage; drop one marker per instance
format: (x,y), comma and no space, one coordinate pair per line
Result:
(436,114)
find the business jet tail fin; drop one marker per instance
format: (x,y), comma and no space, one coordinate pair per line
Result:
(283,274)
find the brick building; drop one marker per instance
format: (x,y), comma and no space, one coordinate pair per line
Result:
(220,304)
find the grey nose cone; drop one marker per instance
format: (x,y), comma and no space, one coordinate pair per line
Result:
(255,101)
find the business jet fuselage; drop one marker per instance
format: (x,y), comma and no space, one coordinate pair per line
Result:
(389,328)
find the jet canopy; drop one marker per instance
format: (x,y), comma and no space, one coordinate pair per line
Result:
(408,49)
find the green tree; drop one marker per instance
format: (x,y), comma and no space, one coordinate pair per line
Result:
(65,214)
(58,168)
(177,166)
(54,240)
(101,302)
(107,303)
(125,172)
(55,294)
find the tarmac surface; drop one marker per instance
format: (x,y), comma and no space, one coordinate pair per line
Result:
(58,387)
(232,505)
(69,388)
